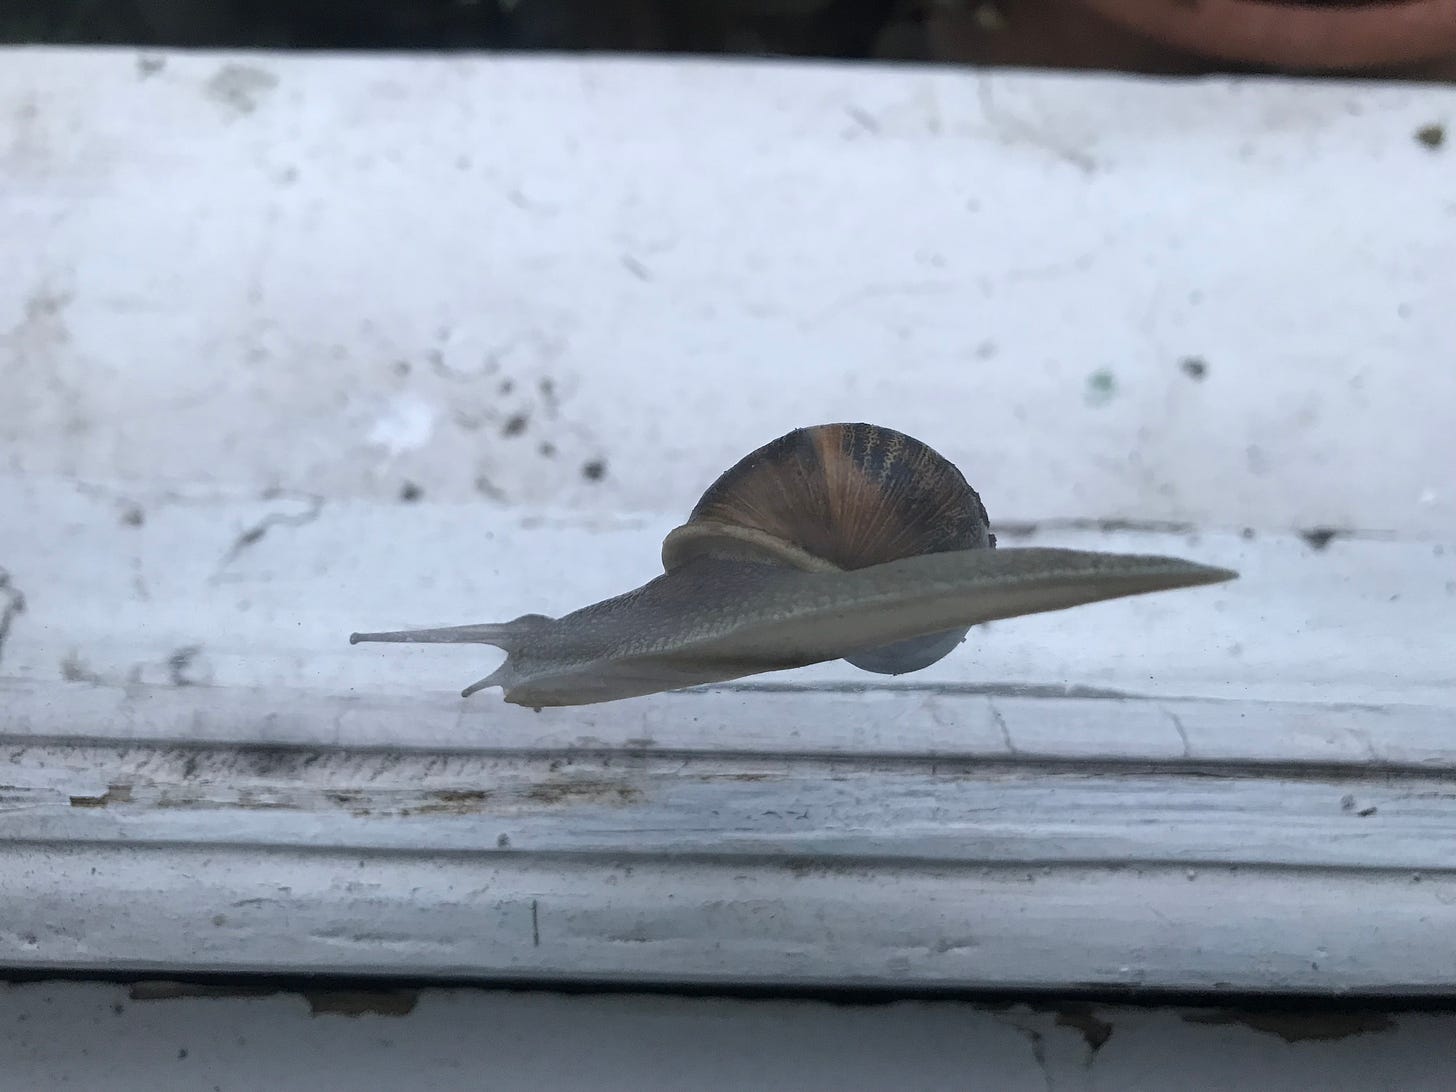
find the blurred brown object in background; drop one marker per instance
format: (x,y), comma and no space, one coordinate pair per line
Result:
(1411,39)
(1404,38)
(1046,34)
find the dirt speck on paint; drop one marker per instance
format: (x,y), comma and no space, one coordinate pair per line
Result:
(75,669)
(1433,136)
(636,268)
(185,669)
(240,87)
(1101,387)
(1194,367)
(1317,538)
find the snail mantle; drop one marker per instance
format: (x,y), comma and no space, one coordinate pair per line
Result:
(838,541)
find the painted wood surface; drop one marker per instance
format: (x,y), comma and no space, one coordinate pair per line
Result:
(349,343)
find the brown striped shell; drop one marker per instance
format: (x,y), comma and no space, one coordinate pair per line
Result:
(839,497)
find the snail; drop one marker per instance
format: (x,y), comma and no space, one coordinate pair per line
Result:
(839,541)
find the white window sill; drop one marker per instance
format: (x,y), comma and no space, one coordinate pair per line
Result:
(1242,788)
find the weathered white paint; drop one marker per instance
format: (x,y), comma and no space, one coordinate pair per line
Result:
(231,905)
(260,295)
(292,264)
(156,1036)
(962,810)
(820,859)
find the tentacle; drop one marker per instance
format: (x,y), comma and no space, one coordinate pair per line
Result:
(506,635)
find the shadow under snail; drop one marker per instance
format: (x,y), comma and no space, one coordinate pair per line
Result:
(842,541)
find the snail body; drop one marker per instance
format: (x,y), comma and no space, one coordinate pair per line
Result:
(842,541)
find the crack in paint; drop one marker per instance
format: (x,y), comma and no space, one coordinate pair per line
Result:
(1182,732)
(1000,720)
(255,534)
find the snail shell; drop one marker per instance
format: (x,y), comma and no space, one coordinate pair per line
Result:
(838,541)
(838,497)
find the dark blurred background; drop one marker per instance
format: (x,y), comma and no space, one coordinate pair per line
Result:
(1413,38)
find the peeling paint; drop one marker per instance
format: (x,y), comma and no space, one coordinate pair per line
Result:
(1294,1026)
(114,794)
(201,790)
(451,802)
(398,1002)
(166,990)
(361,1002)
(242,801)
(574,792)
(1095,1031)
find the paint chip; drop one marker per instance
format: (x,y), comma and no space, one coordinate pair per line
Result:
(361,1002)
